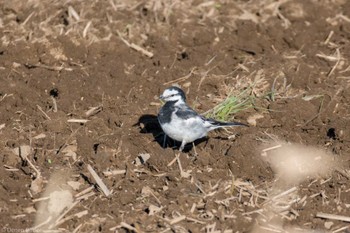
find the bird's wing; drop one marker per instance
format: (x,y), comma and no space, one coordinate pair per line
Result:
(214,124)
(186,112)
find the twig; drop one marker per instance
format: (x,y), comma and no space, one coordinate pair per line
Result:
(38,174)
(63,214)
(329,37)
(93,111)
(41,224)
(182,78)
(86,28)
(78,215)
(270,148)
(114,172)
(41,110)
(341,229)
(194,220)
(54,104)
(82,121)
(72,12)
(99,181)
(86,196)
(291,190)
(41,199)
(343,173)
(27,19)
(336,64)
(77,228)
(178,219)
(333,217)
(136,47)
(54,68)
(182,172)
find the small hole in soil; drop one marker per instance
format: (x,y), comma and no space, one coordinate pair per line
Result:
(147,210)
(96,147)
(144,11)
(54,92)
(331,133)
(182,56)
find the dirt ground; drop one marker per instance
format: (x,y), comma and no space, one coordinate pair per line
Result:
(59,59)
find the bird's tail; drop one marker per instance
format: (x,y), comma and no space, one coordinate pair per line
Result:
(219,124)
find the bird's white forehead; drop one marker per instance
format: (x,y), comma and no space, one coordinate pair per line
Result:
(169,92)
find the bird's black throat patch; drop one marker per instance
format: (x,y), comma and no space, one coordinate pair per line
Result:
(164,115)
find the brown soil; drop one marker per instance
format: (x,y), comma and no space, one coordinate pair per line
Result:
(299,48)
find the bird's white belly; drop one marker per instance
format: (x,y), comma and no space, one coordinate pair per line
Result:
(185,130)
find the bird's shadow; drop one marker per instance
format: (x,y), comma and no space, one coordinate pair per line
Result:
(148,124)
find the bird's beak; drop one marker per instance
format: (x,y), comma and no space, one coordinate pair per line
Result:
(161,97)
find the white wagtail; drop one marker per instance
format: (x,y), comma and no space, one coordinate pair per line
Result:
(182,123)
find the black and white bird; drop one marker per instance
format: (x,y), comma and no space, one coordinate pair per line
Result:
(182,123)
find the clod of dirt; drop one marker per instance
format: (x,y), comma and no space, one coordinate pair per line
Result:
(142,159)
(252,119)
(37,185)
(22,151)
(152,209)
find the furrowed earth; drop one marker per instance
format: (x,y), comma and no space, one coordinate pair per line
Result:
(79,86)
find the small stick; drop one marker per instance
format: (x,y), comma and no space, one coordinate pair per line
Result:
(10,169)
(38,174)
(84,191)
(28,18)
(62,215)
(194,220)
(336,64)
(72,12)
(172,162)
(270,148)
(86,196)
(54,104)
(329,37)
(178,219)
(193,208)
(82,121)
(41,110)
(343,173)
(77,228)
(136,47)
(41,224)
(253,212)
(291,190)
(182,172)
(78,215)
(93,111)
(86,28)
(333,217)
(99,181)
(114,172)
(182,78)
(41,199)
(341,229)
(54,68)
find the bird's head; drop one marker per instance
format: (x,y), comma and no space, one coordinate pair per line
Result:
(173,94)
